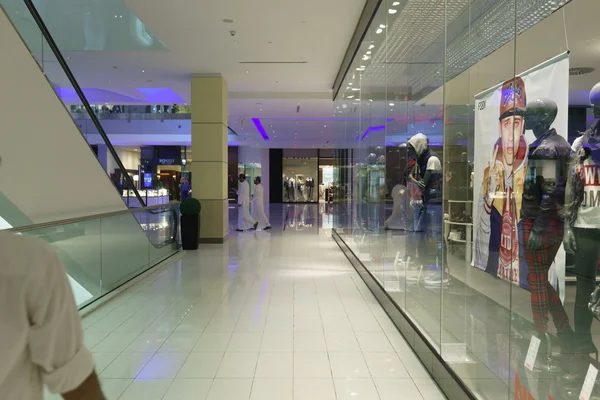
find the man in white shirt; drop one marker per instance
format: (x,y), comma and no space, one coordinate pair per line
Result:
(41,339)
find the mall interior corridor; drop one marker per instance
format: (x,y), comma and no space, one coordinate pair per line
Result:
(277,314)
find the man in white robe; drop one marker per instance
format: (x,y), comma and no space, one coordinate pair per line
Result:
(245,220)
(258,205)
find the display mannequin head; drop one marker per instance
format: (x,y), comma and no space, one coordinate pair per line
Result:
(595,99)
(539,115)
(418,144)
(257,180)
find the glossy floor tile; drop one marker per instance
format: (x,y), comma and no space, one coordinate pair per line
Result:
(267,315)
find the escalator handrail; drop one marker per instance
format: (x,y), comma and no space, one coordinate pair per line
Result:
(153,209)
(61,60)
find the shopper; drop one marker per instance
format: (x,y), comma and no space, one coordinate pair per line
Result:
(245,220)
(185,189)
(258,205)
(41,340)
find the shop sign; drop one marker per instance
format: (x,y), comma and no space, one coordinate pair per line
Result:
(168,161)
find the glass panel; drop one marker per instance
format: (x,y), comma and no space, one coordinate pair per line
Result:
(554,305)
(79,247)
(124,250)
(101,254)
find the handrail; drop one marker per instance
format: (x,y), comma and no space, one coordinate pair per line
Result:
(68,221)
(59,57)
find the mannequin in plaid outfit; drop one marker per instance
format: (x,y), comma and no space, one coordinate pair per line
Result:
(542,219)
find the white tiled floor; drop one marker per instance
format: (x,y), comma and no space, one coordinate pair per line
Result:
(269,315)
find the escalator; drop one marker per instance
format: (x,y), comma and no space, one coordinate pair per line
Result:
(50,178)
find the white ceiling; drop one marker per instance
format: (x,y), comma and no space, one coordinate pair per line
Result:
(313,33)
(317,33)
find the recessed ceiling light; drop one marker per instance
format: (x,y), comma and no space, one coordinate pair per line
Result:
(228,21)
(143,71)
(382,26)
(392,11)
(371,46)
(378,31)
(396,3)
(391,104)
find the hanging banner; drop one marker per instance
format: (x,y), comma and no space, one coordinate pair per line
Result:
(500,168)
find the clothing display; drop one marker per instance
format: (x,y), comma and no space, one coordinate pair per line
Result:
(541,221)
(286,188)
(310,186)
(583,222)
(426,174)
(292,189)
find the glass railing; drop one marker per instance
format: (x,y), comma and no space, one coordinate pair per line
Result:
(38,38)
(101,253)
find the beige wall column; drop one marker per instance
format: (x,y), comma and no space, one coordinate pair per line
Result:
(209,155)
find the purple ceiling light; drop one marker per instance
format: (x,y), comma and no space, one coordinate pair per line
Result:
(371,129)
(260,128)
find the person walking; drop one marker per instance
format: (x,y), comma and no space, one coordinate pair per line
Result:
(258,205)
(185,189)
(245,220)
(41,338)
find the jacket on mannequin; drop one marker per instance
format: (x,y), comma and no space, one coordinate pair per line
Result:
(582,230)
(428,169)
(542,218)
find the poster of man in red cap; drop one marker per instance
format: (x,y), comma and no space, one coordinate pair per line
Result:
(502,174)
(503,178)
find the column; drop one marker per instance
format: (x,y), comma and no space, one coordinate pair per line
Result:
(209,155)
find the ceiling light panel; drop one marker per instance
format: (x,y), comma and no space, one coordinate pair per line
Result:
(415,38)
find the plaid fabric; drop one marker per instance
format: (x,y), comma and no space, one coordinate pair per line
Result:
(544,299)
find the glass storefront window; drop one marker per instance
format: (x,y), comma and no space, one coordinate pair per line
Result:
(300,179)
(473,140)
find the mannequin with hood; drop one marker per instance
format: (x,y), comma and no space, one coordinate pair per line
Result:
(258,205)
(245,220)
(582,227)
(427,176)
(542,219)
(428,169)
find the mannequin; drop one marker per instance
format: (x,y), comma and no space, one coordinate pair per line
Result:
(258,205)
(245,220)
(427,175)
(541,220)
(310,184)
(582,230)
(292,189)
(286,187)
(396,220)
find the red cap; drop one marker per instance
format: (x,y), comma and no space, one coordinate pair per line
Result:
(514,98)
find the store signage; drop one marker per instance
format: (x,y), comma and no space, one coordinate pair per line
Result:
(168,161)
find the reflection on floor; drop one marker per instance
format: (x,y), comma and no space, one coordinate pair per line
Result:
(467,314)
(268,315)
